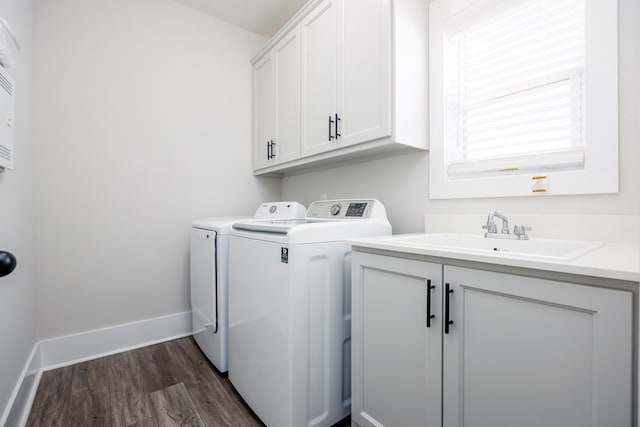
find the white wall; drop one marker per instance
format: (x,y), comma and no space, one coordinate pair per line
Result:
(143,124)
(401,183)
(17,301)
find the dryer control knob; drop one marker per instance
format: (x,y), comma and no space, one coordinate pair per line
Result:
(335,209)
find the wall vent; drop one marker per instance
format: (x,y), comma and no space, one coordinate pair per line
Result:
(6,84)
(7,108)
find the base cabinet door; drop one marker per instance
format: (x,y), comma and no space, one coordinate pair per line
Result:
(396,350)
(530,352)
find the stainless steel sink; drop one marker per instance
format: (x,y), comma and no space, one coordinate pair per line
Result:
(549,249)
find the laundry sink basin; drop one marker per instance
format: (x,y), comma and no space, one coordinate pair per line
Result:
(548,249)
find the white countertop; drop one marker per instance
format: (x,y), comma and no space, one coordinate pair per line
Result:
(612,260)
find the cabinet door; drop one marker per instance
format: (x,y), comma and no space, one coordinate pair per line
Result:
(365,71)
(396,358)
(531,352)
(263,102)
(286,56)
(319,77)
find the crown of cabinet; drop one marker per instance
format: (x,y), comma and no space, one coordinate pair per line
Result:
(343,81)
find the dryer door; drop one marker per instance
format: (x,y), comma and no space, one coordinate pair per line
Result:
(203,282)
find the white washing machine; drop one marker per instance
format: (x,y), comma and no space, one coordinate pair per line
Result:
(290,311)
(209,277)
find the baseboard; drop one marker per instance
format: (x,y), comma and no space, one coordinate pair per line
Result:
(70,349)
(21,399)
(67,350)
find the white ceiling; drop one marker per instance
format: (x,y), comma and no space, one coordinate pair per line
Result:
(264,17)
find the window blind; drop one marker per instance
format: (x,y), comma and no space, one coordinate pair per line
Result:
(514,89)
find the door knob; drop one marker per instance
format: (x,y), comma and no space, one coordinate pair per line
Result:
(7,263)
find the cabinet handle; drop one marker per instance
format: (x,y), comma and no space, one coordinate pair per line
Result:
(270,146)
(429,315)
(447,322)
(330,123)
(337,124)
(273,151)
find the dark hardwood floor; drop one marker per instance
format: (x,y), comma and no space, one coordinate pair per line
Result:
(167,384)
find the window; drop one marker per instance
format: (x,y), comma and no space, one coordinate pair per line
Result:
(523,97)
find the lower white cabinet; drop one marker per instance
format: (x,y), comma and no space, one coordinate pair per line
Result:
(518,351)
(396,356)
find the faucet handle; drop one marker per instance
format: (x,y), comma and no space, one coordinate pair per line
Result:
(521,231)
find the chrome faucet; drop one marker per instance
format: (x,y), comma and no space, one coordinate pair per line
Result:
(519,231)
(491,225)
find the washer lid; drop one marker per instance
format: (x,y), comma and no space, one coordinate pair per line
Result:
(310,231)
(268,210)
(222,225)
(282,226)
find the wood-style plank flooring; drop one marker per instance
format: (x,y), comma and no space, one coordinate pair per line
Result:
(167,384)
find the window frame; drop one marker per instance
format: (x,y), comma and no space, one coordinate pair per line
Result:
(600,172)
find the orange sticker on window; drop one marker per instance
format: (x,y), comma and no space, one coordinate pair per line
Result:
(539,184)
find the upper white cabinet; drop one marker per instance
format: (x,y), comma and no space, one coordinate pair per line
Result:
(276,83)
(446,346)
(346,90)
(264,111)
(365,88)
(319,77)
(363,82)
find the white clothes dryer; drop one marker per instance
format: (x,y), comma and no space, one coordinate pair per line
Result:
(290,311)
(209,277)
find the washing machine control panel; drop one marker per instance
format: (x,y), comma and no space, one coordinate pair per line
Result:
(280,210)
(342,209)
(357,209)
